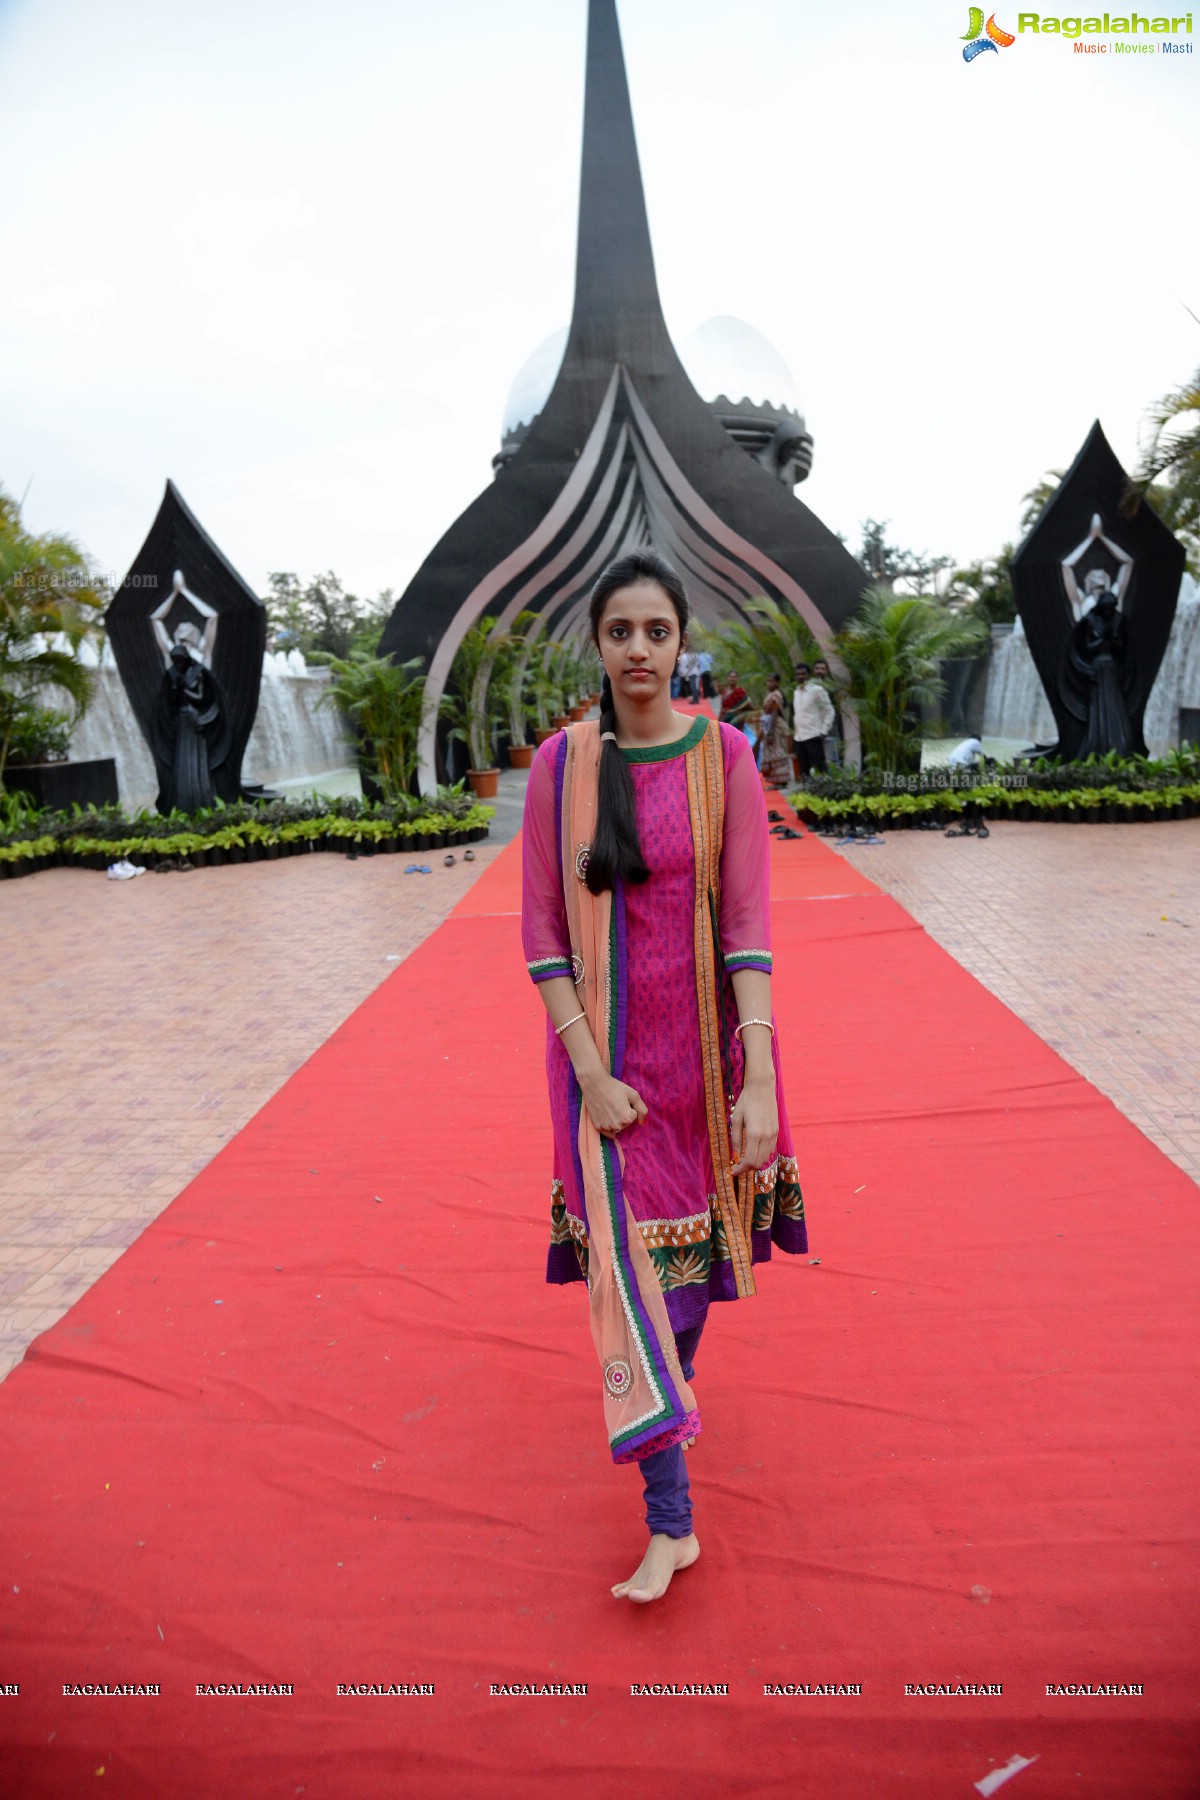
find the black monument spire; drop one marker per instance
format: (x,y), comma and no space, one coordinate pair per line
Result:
(617,314)
(623,452)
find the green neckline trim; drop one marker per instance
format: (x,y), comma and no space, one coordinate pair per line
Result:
(661,752)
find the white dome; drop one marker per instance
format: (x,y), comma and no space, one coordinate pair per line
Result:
(531,389)
(727,356)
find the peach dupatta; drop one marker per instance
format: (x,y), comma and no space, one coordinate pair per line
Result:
(647,1404)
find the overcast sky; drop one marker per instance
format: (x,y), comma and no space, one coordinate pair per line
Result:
(292,255)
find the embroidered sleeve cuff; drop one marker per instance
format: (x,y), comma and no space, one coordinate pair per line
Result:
(747,959)
(545,968)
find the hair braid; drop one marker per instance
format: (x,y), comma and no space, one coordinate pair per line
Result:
(615,848)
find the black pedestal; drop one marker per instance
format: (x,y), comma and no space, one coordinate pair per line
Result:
(60,784)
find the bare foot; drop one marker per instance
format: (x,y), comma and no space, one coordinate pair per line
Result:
(663,1557)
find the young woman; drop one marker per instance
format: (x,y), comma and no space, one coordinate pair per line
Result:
(775,739)
(645,924)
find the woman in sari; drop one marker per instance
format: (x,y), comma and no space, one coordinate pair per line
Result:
(645,926)
(775,738)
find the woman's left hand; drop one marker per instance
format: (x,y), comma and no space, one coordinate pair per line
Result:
(754,1125)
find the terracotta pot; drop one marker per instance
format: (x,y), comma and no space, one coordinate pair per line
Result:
(542,732)
(483,783)
(578,712)
(559,720)
(520,755)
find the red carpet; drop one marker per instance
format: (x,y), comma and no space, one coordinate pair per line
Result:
(323,1423)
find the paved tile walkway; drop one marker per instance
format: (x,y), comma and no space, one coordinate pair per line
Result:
(1091,934)
(143,1023)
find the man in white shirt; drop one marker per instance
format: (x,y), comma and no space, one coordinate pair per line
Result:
(812,718)
(966,755)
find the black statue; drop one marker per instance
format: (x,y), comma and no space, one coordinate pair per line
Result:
(191,662)
(623,451)
(191,733)
(1096,584)
(1097,672)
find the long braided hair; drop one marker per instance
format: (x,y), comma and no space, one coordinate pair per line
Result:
(615,849)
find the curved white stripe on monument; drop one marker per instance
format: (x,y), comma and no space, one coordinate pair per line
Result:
(497,579)
(777,578)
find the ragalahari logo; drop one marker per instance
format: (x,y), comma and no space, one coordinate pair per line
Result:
(977,43)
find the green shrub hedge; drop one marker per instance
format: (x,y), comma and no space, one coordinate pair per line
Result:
(94,837)
(1109,788)
(1130,774)
(1106,804)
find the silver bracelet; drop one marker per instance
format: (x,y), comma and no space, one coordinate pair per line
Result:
(559,1029)
(738,1029)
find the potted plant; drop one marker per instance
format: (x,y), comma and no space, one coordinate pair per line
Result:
(475,704)
(518,676)
(891,650)
(382,702)
(543,692)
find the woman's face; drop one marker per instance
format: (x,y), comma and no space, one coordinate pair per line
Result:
(639,640)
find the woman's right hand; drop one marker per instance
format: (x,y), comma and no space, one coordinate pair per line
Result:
(612,1105)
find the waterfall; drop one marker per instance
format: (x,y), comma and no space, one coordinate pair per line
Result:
(293,738)
(1016,705)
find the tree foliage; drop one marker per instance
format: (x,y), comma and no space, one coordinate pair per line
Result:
(321,619)
(472,705)
(383,702)
(776,640)
(886,564)
(47,592)
(890,650)
(1169,473)
(985,590)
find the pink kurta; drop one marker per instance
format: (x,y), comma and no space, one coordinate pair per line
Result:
(668,1172)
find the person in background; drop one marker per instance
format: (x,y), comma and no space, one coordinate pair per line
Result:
(704,663)
(812,715)
(966,755)
(835,737)
(688,683)
(774,740)
(734,700)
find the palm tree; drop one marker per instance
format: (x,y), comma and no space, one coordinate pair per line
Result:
(476,711)
(521,677)
(383,701)
(773,644)
(984,590)
(891,649)
(1036,499)
(46,591)
(1172,463)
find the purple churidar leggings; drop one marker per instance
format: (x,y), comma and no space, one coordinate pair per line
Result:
(668,1502)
